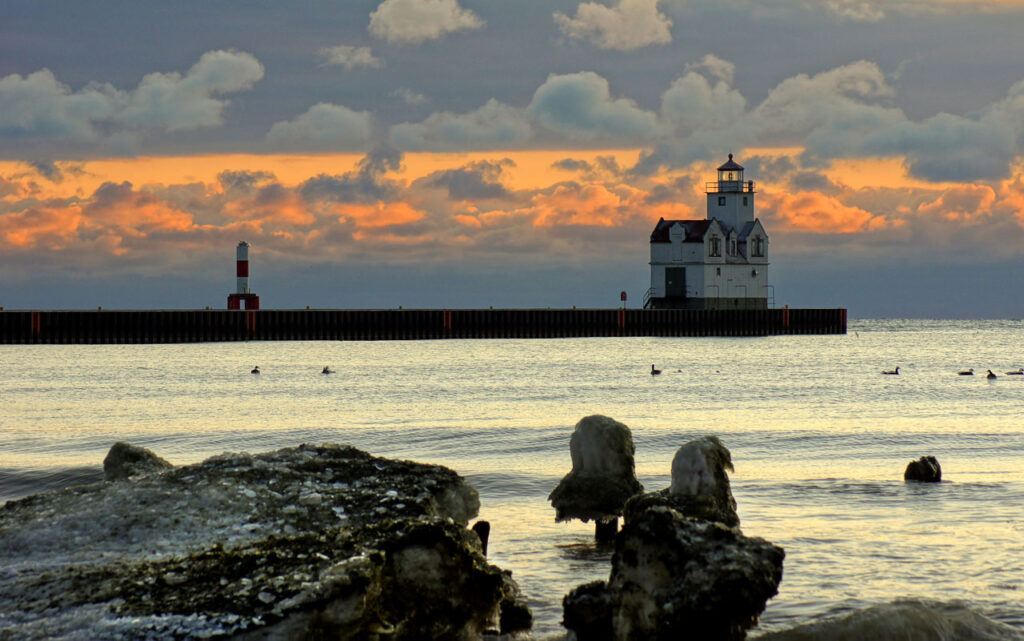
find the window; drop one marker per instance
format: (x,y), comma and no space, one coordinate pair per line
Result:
(732,247)
(718,271)
(721,201)
(715,246)
(757,246)
(744,201)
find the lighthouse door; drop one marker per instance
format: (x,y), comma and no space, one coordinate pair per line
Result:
(675,282)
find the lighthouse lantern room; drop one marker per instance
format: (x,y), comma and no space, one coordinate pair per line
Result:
(720,262)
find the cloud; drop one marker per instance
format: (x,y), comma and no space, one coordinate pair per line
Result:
(580,105)
(243,181)
(38,106)
(630,25)
(350,57)
(416,21)
(492,126)
(174,102)
(962,203)
(408,96)
(818,213)
(323,127)
(477,181)
(855,10)
(692,103)
(365,184)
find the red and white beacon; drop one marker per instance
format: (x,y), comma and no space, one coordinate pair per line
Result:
(243,293)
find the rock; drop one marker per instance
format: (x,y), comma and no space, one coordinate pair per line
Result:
(925,469)
(124,461)
(675,577)
(700,485)
(237,547)
(603,474)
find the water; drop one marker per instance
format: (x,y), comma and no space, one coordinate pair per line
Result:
(819,438)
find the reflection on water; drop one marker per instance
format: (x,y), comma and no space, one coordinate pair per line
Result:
(819,438)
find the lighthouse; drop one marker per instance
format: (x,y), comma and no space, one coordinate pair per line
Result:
(720,262)
(242,291)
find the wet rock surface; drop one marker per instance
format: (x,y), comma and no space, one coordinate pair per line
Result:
(700,485)
(307,542)
(926,469)
(603,472)
(674,577)
(124,461)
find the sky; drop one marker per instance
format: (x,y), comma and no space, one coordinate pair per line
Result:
(506,153)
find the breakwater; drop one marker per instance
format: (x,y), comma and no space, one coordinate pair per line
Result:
(191,326)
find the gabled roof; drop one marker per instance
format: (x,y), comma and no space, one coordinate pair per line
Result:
(730,166)
(695,230)
(748,228)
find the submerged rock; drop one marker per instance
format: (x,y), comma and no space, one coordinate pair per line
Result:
(603,473)
(904,619)
(674,577)
(125,461)
(925,469)
(700,485)
(307,542)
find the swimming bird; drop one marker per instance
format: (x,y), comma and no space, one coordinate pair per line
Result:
(893,372)
(654,372)
(255,370)
(991,375)
(967,372)
(327,370)
(1019,372)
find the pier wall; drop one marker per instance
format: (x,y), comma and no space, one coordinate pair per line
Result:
(188,326)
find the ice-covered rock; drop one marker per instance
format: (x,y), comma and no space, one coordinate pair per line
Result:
(700,485)
(125,461)
(925,469)
(603,474)
(237,546)
(675,577)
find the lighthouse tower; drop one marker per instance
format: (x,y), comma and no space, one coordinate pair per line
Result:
(242,292)
(720,262)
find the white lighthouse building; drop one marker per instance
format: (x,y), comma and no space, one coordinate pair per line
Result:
(720,262)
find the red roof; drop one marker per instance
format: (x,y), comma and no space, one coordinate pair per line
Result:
(695,230)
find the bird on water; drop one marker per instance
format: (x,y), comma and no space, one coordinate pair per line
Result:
(327,370)
(255,370)
(990,375)
(654,372)
(1019,372)
(967,372)
(892,372)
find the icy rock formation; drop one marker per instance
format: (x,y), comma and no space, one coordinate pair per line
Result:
(307,542)
(125,460)
(674,577)
(603,475)
(700,484)
(925,469)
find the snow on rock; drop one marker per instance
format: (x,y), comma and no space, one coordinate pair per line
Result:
(700,484)
(603,473)
(307,542)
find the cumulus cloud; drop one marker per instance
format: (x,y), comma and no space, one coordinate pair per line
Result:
(408,96)
(692,103)
(367,183)
(38,106)
(175,102)
(580,105)
(323,127)
(416,21)
(350,57)
(476,181)
(492,126)
(630,25)
(816,212)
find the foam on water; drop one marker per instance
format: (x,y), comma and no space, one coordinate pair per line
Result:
(818,436)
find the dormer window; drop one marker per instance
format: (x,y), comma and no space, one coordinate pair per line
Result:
(714,246)
(732,247)
(757,246)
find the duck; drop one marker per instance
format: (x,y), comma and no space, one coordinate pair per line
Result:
(990,375)
(1019,372)
(892,372)
(255,370)
(967,372)
(327,370)
(654,372)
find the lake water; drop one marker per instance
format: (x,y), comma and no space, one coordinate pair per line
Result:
(818,436)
